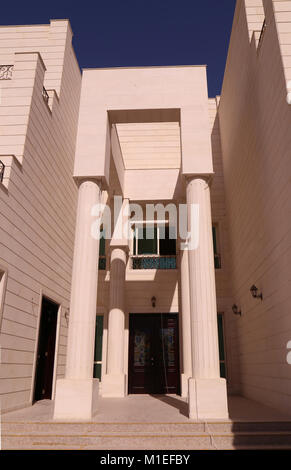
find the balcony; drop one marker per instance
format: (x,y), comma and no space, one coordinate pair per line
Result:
(6,72)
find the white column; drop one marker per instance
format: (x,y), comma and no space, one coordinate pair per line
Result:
(76,395)
(114,382)
(207,391)
(186,322)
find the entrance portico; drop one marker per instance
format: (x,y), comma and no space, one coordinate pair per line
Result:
(103,165)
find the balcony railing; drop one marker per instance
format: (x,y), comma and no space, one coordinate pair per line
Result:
(6,72)
(45,95)
(153,262)
(150,262)
(2,168)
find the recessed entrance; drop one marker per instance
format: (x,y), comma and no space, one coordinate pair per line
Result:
(154,354)
(46,350)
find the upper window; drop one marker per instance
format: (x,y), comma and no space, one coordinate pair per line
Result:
(154,248)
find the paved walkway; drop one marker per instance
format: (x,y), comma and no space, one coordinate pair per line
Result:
(150,409)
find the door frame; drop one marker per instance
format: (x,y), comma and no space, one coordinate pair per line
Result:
(144,313)
(48,295)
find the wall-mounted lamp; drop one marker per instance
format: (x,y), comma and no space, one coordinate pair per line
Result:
(235,310)
(153,300)
(255,293)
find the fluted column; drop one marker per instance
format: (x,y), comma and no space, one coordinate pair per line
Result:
(76,394)
(207,391)
(186,322)
(114,382)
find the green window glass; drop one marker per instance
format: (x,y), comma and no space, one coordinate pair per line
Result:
(221,345)
(97,370)
(217,258)
(102,255)
(102,247)
(147,241)
(167,243)
(214,240)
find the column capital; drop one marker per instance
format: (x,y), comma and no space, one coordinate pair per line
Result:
(207,177)
(79,180)
(121,251)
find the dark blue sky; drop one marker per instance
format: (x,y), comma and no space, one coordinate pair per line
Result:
(112,33)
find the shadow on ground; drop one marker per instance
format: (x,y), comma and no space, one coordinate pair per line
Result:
(181,406)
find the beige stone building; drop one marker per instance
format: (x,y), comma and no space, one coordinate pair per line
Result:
(83,318)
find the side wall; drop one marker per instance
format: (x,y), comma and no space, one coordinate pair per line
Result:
(255,122)
(38,197)
(222,275)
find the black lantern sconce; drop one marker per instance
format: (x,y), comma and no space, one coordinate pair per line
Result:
(153,300)
(255,293)
(235,310)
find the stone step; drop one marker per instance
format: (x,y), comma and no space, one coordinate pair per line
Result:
(252,439)
(103,428)
(129,440)
(55,427)
(107,442)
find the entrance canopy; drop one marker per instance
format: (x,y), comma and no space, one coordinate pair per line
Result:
(133,101)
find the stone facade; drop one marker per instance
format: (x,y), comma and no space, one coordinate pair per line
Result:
(145,135)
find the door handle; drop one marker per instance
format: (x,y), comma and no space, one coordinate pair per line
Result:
(152,361)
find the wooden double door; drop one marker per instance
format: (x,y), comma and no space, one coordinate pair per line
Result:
(154,354)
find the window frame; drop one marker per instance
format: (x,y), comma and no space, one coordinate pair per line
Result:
(143,225)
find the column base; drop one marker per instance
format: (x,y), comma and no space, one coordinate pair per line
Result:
(207,399)
(76,399)
(114,385)
(184,385)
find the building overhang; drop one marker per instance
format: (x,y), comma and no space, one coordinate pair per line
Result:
(112,98)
